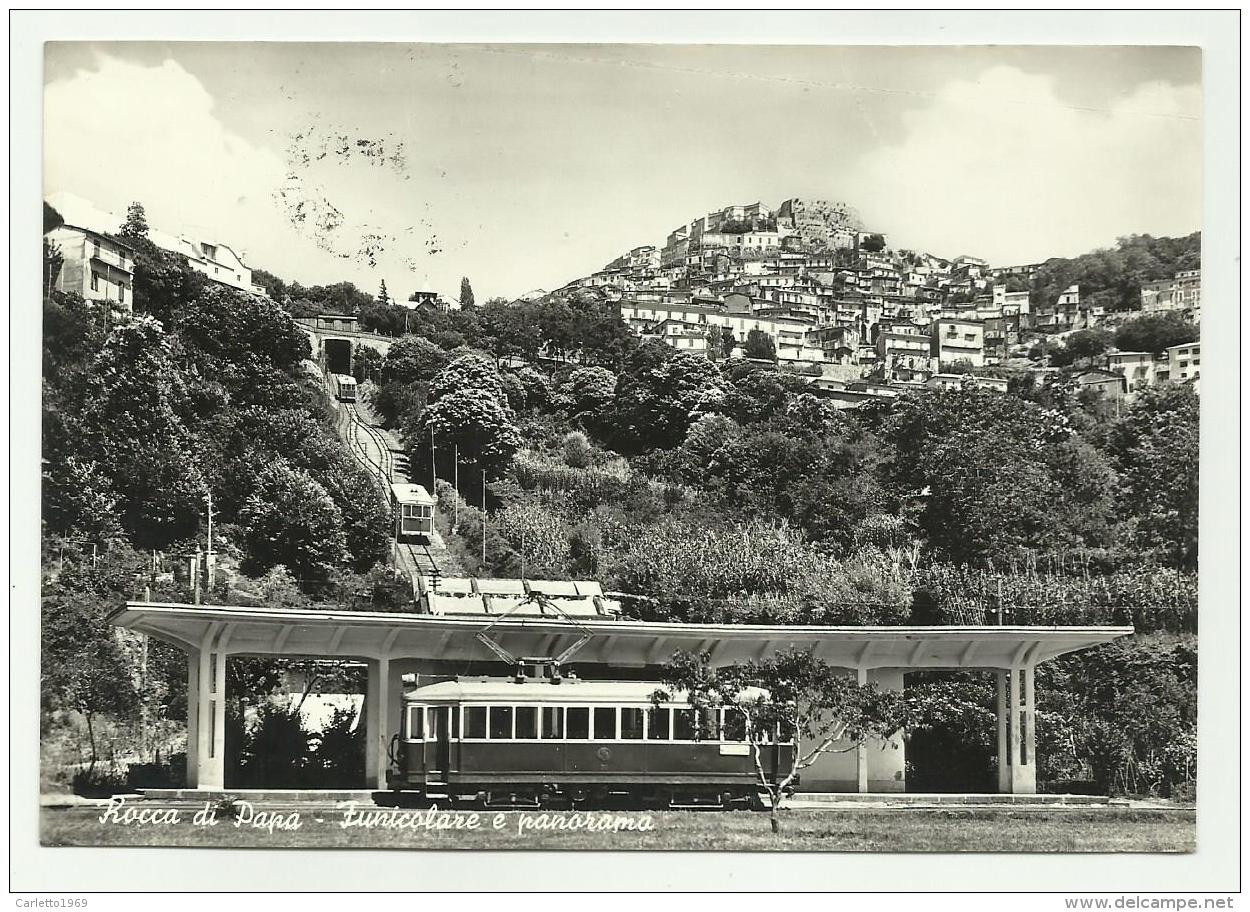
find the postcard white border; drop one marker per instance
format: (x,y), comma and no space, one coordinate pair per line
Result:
(1214,867)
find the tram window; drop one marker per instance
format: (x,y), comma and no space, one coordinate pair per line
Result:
(605,723)
(683,725)
(475,721)
(631,723)
(416,715)
(577,723)
(501,723)
(658,724)
(709,724)
(527,723)
(735,726)
(553,721)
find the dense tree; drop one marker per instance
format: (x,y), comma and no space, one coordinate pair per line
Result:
(872,243)
(656,405)
(1155,446)
(590,391)
(163,281)
(1084,344)
(383,299)
(1155,333)
(760,346)
(291,520)
(474,419)
(466,293)
(1001,475)
(341,297)
(468,372)
(240,330)
(83,667)
(1113,277)
(132,422)
(367,363)
(136,225)
(413,359)
(512,330)
(274,286)
(51,218)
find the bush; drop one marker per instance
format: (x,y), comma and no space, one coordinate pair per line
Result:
(338,758)
(275,750)
(172,773)
(100,782)
(577,450)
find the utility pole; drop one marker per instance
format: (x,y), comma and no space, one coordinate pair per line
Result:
(483,518)
(433,468)
(210,568)
(455,475)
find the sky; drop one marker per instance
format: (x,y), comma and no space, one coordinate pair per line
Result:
(526,166)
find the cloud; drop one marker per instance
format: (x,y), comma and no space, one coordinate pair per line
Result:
(122,132)
(1002,167)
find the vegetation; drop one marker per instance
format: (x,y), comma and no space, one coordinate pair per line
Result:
(1155,333)
(201,393)
(792,697)
(706,490)
(1113,277)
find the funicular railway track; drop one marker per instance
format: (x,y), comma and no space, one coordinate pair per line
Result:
(371,448)
(419,556)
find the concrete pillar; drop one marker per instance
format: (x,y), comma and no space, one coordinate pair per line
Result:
(1017,737)
(1004,758)
(193,718)
(377,730)
(211,734)
(861,752)
(204,721)
(1024,773)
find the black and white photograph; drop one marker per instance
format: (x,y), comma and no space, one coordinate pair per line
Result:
(682,446)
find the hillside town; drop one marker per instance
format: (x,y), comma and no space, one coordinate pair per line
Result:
(831,299)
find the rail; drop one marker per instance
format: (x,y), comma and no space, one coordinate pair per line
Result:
(365,440)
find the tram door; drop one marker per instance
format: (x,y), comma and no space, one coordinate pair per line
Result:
(438,743)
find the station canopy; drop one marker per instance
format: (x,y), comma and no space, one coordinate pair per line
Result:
(370,635)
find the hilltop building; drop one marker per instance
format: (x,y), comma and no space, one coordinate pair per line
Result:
(94,266)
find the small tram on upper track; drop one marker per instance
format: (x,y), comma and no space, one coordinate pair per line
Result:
(344,387)
(540,742)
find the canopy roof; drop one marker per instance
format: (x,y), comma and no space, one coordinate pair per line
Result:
(269,631)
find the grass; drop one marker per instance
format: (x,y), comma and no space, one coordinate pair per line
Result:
(841,830)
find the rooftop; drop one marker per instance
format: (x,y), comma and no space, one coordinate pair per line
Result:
(273,631)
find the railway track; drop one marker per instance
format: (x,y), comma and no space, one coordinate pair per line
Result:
(419,557)
(373,451)
(370,445)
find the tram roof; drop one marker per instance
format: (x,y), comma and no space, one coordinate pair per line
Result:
(370,635)
(541,690)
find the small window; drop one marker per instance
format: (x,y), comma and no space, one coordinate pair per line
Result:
(553,722)
(95,281)
(734,726)
(659,724)
(475,721)
(501,723)
(95,248)
(631,723)
(683,725)
(416,718)
(577,723)
(121,292)
(605,723)
(527,723)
